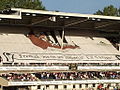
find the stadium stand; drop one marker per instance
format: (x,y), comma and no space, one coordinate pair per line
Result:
(39,53)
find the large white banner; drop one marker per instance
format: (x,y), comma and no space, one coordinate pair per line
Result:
(62,58)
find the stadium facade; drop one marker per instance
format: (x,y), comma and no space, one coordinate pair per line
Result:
(48,50)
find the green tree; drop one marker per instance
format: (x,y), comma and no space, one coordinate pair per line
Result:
(28,4)
(108,11)
(119,12)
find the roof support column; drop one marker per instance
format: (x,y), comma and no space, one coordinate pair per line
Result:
(63,33)
(119,41)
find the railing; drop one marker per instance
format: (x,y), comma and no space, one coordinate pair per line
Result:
(58,64)
(62,82)
(17,68)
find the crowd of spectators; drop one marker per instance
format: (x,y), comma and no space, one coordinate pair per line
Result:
(19,77)
(108,87)
(78,75)
(88,75)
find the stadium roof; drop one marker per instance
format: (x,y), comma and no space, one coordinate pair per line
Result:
(58,20)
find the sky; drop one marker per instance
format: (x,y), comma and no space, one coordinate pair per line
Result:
(79,6)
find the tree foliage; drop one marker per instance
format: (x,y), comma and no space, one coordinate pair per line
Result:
(109,11)
(28,4)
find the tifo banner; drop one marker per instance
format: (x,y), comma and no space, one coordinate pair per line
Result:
(61,57)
